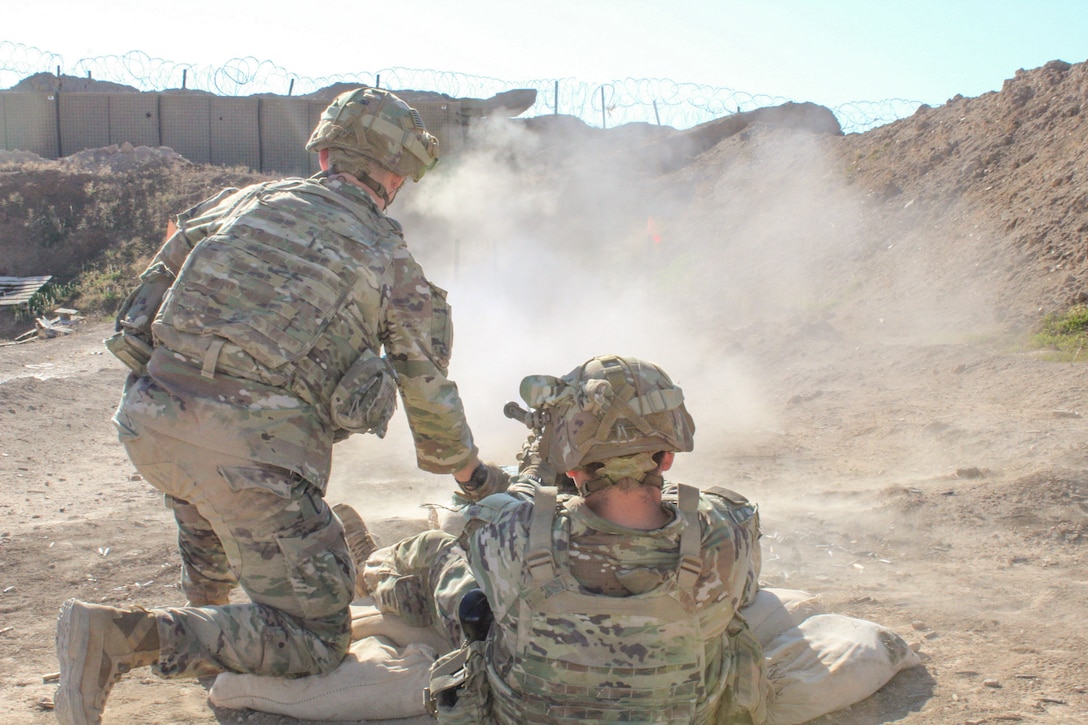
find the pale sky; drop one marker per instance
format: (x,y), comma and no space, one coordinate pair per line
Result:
(825,51)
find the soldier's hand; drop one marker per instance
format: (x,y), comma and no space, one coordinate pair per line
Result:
(486,479)
(529,455)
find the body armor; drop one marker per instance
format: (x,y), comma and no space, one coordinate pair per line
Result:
(579,657)
(288,303)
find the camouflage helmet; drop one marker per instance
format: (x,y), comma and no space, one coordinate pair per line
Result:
(608,407)
(378,125)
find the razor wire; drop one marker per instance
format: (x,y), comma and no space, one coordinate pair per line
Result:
(660,101)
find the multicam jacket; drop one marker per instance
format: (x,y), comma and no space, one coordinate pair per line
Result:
(599,623)
(267,343)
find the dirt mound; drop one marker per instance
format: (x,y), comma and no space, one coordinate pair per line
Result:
(124,157)
(93,219)
(50,83)
(1001,176)
(19,157)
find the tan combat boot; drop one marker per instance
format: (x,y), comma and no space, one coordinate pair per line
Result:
(97,644)
(360,542)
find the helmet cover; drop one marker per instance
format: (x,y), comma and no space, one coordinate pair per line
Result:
(608,407)
(378,125)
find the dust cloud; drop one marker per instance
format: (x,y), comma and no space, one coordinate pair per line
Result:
(556,248)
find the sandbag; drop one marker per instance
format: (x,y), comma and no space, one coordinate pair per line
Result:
(828,662)
(449,517)
(775,610)
(376,681)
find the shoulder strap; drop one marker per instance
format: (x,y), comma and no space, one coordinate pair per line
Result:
(540,562)
(691,561)
(728,494)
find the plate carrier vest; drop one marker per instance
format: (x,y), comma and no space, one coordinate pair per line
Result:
(640,658)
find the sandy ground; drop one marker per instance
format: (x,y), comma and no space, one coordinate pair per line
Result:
(939,489)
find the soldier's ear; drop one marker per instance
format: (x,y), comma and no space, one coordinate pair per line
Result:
(323,159)
(667,458)
(578,476)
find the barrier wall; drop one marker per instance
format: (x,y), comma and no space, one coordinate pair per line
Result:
(266,134)
(28,122)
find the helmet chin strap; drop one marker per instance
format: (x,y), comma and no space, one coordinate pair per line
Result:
(640,467)
(655,480)
(377,188)
(361,176)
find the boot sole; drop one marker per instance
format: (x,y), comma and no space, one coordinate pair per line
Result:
(73,637)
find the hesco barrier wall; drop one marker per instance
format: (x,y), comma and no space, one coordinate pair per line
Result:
(266,134)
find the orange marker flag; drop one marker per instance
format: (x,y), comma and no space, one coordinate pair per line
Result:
(652,231)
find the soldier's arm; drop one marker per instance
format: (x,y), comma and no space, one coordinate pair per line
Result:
(418,337)
(495,540)
(731,545)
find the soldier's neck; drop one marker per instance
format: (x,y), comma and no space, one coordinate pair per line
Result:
(637,508)
(354,181)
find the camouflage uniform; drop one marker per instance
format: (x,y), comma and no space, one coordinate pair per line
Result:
(265,353)
(614,565)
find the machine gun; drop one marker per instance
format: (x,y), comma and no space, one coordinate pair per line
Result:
(534,419)
(530,456)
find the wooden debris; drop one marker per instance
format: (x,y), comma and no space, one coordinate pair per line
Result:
(19,290)
(51,328)
(62,323)
(66,314)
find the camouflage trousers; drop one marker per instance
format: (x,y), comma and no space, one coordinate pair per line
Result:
(422,580)
(269,531)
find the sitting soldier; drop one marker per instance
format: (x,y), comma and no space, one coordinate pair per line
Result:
(618,604)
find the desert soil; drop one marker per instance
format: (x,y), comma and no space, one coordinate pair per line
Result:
(981,563)
(849,320)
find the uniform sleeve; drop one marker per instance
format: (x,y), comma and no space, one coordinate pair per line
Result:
(497,538)
(418,336)
(731,549)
